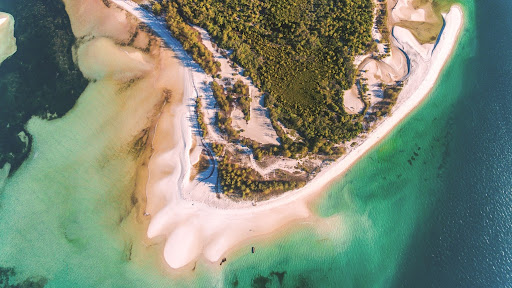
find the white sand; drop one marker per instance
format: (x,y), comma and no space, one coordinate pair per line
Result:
(352,102)
(106,52)
(94,19)
(403,11)
(377,72)
(7,40)
(209,226)
(259,128)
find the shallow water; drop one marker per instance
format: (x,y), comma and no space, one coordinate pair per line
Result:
(442,221)
(69,213)
(65,214)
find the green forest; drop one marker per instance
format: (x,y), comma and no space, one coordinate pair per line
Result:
(300,52)
(240,181)
(189,38)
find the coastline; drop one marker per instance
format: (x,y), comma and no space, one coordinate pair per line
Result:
(210,226)
(413,93)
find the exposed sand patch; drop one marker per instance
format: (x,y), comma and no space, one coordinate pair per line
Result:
(424,50)
(404,11)
(387,71)
(101,57)
(259,128)
(93,18)
(7,39)
(424,30)
(141,41)
(352,101)
(377,72)
(139,83)
(397,61)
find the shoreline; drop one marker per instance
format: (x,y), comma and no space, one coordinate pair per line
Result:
(406,104)
(197,224)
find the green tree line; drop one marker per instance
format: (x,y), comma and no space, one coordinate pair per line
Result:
(188,36)
(200,117)
(300,52)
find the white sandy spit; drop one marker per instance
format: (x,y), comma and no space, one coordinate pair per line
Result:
(210,227)
(7,40)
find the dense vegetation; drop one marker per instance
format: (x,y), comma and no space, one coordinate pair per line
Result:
(245,104)
(363,90)
(189,38)
(241,92)
(200,117)
(382,25)
(391,93)
(300,52)
(223,115)
(40,78)
(382,21)
(242,181)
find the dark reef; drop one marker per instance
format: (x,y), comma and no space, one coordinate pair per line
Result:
(40,79)
(7,273)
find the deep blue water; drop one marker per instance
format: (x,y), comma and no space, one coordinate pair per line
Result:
(468,239)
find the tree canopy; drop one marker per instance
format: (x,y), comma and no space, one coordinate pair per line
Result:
(300,52)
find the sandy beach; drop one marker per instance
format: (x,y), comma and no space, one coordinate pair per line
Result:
(196,223)
(7,39)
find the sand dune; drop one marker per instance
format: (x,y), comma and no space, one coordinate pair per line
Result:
(352,101)
(119,63)
(259,128)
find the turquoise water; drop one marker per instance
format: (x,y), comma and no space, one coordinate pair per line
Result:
(383,202)
(468,240)
(62,214)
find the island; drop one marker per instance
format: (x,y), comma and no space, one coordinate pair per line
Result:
(278,100)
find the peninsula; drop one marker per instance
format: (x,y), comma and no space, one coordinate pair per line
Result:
(223,156)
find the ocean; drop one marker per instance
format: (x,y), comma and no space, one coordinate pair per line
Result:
(430,206)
